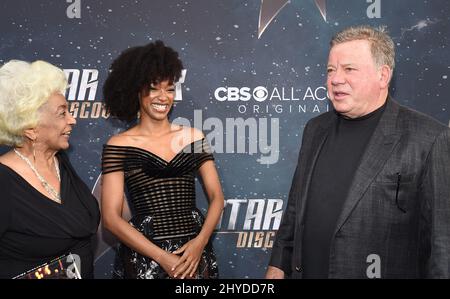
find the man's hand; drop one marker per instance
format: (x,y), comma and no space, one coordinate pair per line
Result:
(274,273)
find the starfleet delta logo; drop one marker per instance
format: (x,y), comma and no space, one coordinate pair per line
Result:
(270,9)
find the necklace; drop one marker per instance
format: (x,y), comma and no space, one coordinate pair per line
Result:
(55,194)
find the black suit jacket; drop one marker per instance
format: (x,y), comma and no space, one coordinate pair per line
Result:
(405,223)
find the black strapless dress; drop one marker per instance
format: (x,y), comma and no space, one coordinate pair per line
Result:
(161,196)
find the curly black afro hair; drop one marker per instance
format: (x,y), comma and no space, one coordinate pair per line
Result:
(133,71)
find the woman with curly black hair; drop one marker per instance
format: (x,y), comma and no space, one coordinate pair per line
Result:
(156,162)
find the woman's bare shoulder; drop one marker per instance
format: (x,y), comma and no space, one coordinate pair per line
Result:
(122,139)
(192,134)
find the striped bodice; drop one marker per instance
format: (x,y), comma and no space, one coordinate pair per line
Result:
(164,190)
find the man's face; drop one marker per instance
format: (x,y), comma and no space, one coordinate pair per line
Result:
(354,81)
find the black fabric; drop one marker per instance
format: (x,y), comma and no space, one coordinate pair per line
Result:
(35,229)
(331,180)
(163,189)
(411,244)
(129,264)
(161,196)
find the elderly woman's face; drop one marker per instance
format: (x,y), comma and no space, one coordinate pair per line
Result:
(55,123)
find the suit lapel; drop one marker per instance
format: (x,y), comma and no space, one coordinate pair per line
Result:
(319,137)
(379,149)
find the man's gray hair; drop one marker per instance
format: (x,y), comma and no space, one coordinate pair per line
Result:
(381,44)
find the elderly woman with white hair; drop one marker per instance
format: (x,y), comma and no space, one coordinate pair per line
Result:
(46,211)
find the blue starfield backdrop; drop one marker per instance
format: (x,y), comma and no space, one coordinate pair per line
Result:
(255,73)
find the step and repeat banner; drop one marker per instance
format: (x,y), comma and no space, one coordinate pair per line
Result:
(255,73)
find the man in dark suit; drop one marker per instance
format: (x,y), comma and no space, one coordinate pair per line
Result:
(370,197)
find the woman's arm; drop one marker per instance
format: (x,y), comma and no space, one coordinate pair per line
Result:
(193,249)
(112,203)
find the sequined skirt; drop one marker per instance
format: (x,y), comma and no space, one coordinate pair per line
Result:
(129,264)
